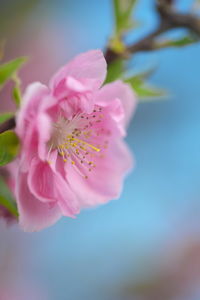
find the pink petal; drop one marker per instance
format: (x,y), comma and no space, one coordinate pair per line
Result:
(115,110)
(48,186)
(29,144)
(105,182)
(44,129)
(33,214)
(35,140)
(32,98)
(121,91)
(89,65)
(75,85)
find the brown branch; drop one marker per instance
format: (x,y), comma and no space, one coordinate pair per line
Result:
(9,124)
(169,19)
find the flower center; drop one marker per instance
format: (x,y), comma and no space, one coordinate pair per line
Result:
(80,141)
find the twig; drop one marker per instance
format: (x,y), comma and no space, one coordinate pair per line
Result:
(9,124)
(169,19)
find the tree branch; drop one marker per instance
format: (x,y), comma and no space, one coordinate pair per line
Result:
(169,19)
(9,124)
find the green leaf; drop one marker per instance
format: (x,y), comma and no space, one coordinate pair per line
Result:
(148,92)
(17,95)
(10,206)
(6,198)
(184,41)
(143,89)
(115,70)
(5,116)
(17,90)
(4,190)
(123,15)
(9,147)
(143,75)
(7,70)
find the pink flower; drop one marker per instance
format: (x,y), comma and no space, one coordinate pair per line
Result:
(73,154)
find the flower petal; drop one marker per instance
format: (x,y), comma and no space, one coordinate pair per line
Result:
(105,181)
(33,214)
(44,129)
(48,186)
(32,99)
(75,85)
(121,91)
(89,65)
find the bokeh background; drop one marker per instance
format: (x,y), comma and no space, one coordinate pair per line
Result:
(146,245)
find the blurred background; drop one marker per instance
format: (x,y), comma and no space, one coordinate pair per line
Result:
(146,245)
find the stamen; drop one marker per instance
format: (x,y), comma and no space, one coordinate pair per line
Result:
(89,145)
(78,140)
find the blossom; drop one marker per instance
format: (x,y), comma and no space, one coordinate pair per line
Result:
(72,154)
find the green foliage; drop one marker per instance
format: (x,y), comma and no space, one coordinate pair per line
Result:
(144,90)
(9,69)
(123,15)
(6,198)
(5,116)
(183,41)
(9,147)
(115,70)
(10,206)
(17,97)
(123,22)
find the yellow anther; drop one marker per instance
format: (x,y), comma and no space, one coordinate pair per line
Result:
(89,145)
